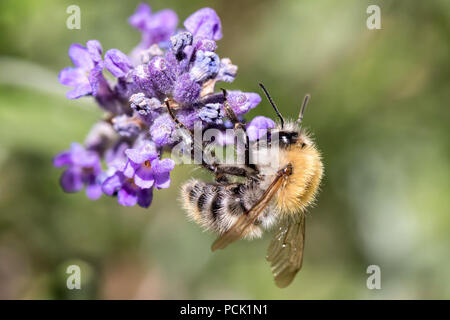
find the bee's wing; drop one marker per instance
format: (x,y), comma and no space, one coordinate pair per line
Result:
(285,252)
(247,219)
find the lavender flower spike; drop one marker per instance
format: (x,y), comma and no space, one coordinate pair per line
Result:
(179,65)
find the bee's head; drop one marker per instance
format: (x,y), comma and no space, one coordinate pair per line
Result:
(289,133)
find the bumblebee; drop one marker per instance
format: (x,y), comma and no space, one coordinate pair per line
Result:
(270,193)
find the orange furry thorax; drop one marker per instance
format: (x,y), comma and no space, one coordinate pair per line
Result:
(299,189)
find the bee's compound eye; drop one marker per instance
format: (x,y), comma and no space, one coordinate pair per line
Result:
(285,140)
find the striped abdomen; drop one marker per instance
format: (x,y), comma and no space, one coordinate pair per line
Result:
(217,206)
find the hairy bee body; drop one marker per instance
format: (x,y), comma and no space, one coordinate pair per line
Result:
(217,206)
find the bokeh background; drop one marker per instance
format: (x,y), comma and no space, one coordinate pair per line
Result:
(379,111)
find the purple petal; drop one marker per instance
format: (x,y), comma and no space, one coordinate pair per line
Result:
(145,197)
(62,159)
(117,62)
(163,166)
(72,77)
(242,102)
(127,196)
(258,127)
(80,57)
(146,151)
(97,81)
(141,17)
(93,191)
(95,50)
(204,23)
(79,91)
(162,181)
(144,177)
(83,158)
(130,169)
(112,184)
(155,28)
(71,180)
(162,25)
(206,45)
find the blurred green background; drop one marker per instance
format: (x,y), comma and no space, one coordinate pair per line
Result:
(379,111)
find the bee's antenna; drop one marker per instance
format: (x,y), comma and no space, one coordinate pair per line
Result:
(273,104)
(302,110)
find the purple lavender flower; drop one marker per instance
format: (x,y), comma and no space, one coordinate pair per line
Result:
(128,193)
(147,169)
(204,23)
(117,63)
(258,127)
(83,168)
(86,76)
(116,158)
(242,102)
(116,183)
(155,27)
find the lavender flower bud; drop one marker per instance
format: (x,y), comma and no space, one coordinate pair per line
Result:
(117,62)
(162,129)
(212,113)
(242,102)
(142,80)
(204,23)
(162,74)
(227,71)
(143,105)
(206,66)
(186,90)
(126,126)
(179,42)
